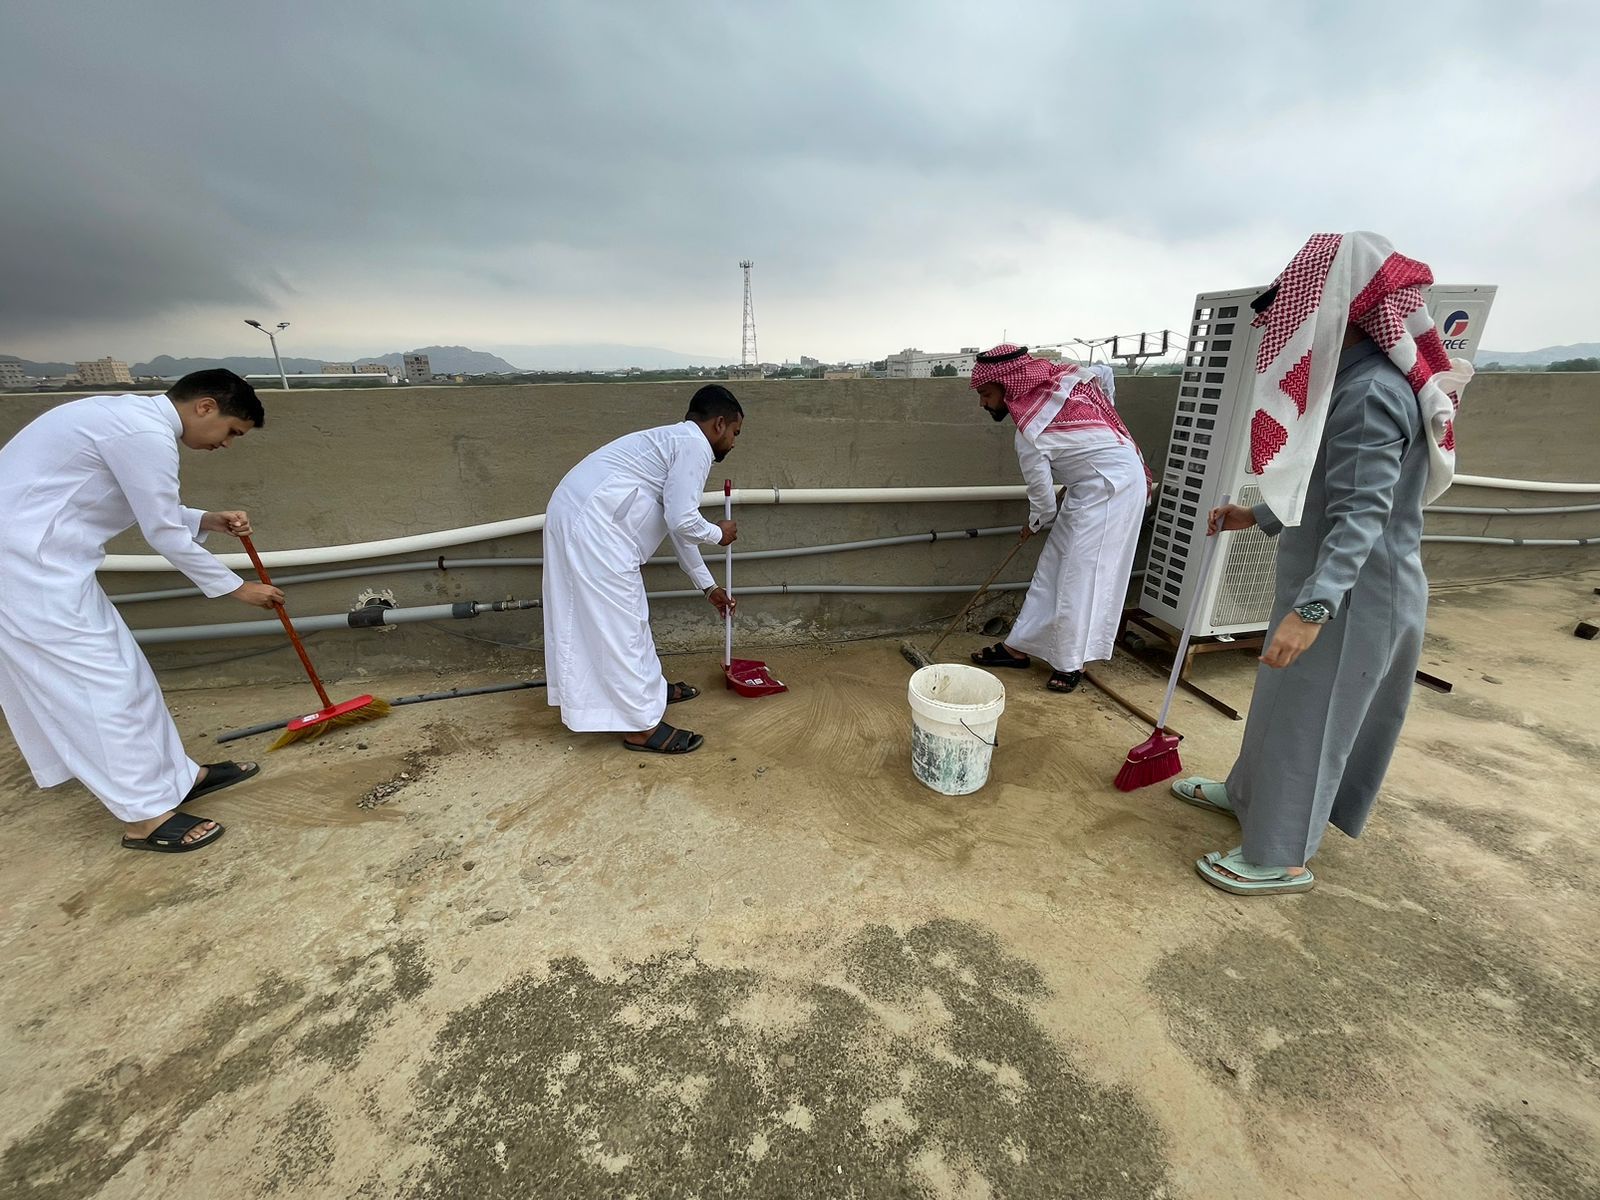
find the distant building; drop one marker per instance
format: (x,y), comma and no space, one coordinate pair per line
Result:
(375,368)
(11,375)
(844,373)
(338,368)
(417,368)
(809,362)
(104,372)
(746,373)
(912,363)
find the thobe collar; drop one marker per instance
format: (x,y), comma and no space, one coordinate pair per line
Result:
(1351,355)
(173,418)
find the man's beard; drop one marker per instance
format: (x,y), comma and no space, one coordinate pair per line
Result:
(999,414)
(718,455)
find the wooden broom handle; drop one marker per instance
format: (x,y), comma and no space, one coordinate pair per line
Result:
(995,574)
(288,627)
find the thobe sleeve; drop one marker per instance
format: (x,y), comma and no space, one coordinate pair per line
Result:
(693,564)
(1041,486)
(686,478)
(1267,520)
(1364,443)
(145,466)
(192,518)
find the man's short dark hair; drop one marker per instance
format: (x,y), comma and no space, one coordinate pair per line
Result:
(711,402)
(234,396)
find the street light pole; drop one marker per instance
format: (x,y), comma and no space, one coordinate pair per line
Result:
(273,338)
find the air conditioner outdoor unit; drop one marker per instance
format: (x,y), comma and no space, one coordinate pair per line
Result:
(1208,457)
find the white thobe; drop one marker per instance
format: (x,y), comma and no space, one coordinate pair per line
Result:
(606,518)
(79,697)
(1073,608)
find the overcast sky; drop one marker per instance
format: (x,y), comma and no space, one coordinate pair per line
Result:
(388,175)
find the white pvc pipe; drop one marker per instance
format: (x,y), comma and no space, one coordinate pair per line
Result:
(1525,485)
(459,564)
(415,543)
(356,551)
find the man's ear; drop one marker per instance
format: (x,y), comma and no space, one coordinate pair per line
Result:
(205,406)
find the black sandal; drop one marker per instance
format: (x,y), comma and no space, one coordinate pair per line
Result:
(219,776)
(998,656)
(677,693)
(664,739)
(1064,681)
(168,836)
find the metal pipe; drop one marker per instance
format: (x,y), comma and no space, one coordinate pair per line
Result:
(234,735)
(370,617)
(376,615)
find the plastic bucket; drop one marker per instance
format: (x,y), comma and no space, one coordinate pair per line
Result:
(955,718)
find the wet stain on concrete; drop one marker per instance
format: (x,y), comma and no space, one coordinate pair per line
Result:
(1546,1163)
(1549,861)
(303,1150)
(364,990)
(916,1069)
(1272,1015)
(132,1109)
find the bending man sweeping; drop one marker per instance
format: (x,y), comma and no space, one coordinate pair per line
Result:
(605,520)
(77,693)
(1353,432)
(1068,433)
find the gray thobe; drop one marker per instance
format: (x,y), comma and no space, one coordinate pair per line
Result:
(1321,732)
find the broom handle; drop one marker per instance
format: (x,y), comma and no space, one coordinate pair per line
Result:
(1188,624)
(288,627)
(950,628)
(727,558)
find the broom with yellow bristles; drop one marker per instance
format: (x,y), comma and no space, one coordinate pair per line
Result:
(330,716)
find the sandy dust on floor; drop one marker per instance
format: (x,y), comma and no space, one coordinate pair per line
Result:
(461,952)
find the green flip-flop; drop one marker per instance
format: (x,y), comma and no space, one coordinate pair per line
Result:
(1188,790)
(1252,880)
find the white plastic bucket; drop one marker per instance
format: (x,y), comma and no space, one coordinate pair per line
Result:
(955,718)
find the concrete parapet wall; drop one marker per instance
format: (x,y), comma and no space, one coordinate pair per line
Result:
(346,466)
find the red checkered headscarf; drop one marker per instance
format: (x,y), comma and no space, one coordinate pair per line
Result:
(1044,395)
(1336,279)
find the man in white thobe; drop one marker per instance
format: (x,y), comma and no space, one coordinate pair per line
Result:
(606,518)
(1068,435)
(76,691)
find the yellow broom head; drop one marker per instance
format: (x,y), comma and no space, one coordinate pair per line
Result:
(314,725)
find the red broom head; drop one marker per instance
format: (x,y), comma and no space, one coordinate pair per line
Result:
(315,725)
(1151,761)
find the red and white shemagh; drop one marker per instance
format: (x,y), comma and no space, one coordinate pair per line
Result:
(1051,396)
(1336,279)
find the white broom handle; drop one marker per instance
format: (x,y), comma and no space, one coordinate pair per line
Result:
(727,617)
(1188,624)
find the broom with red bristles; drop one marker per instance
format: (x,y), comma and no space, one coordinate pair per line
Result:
(330,716)
(1156,758)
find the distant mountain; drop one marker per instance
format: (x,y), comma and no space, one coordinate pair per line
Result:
(604,356)
(1539,358)
(443,360)
(40,370)
(451,360)
(166,366)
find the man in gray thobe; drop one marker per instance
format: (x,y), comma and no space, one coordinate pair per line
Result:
(1347,621)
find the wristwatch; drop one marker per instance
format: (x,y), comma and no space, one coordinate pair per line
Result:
(1314,613)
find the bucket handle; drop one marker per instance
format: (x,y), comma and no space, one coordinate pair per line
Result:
(984,740)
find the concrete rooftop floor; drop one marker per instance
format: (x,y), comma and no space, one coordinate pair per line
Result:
(484,957)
